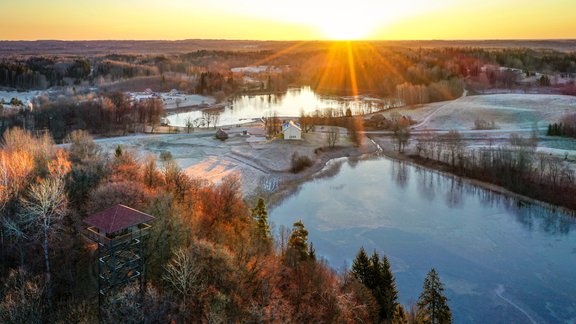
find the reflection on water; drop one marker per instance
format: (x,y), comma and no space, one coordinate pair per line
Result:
(290,104)
(496,254)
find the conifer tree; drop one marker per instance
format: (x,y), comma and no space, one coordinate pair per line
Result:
(260,216)
(377,276)
(298,242)
(433,305)
(389,304)
(361,266)
(312,252)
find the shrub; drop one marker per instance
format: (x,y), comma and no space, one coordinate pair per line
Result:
(482,124)
(300,162)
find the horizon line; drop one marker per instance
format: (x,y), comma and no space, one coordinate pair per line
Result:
(290,40)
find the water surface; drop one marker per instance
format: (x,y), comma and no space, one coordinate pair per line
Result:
(247,107)
(502,261)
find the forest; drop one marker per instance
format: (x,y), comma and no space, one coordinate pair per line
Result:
(416,74)
(211,256)
(108,114)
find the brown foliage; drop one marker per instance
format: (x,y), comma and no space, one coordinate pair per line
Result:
(128,193)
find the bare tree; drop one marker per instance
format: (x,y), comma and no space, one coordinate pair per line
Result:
(189,124)
(272,124)
(402,134)
(215,117)
(211,117)
(333,135)
(45,207)
(454,145)
(183,275)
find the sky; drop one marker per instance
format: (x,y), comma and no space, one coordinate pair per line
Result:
(287,20)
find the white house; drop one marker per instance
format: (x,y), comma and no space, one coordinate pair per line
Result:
(292,131)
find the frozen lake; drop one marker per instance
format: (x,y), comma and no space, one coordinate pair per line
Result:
(290,104)
(501,260)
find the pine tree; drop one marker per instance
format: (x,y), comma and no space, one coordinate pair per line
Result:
(360,267)
(389,297)
(377,276)
(118,152)
(260,216)
(298,242)
(311,252)
(433,305)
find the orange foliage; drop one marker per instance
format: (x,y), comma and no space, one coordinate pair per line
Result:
(16,168)
(222,214)
(61,165)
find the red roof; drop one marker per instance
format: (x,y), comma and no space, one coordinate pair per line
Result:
(117,218)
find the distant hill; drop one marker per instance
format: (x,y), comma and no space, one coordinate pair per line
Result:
(101,47)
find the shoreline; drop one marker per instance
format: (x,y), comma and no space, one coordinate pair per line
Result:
(321,168)
(436,167)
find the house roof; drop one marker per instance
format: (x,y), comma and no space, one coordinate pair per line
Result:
(117,218)
(290,124)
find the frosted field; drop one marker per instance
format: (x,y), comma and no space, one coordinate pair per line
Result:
(511,112)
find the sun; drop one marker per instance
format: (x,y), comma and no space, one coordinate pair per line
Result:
(345,28)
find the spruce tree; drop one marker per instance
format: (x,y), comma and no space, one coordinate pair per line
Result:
(298,242)
(389,297)
(377,276)
(312,252)
(432,304)
(260,216)
(361,266)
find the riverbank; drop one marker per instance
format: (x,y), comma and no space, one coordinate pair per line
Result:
(389,151)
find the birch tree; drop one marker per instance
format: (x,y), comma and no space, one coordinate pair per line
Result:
(45,206)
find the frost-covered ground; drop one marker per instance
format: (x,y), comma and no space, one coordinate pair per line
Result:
(24,96)
(510,112)
(261,164)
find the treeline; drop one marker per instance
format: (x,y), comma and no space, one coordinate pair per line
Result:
(213,82)
(42,72)
(566,127)
(418,75)
(109,114)
(527,59)
(438,91)
(116,70)
(516,166)
(210,257)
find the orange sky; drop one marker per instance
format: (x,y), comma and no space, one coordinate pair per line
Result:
(289,20)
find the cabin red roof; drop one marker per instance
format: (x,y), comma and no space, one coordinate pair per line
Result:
(117,218)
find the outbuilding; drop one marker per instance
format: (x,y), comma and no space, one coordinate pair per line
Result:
(291,131)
